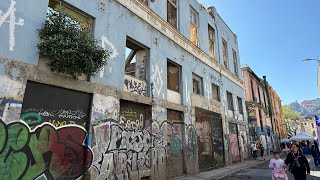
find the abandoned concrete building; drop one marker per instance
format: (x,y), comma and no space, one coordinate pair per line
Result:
(169,101)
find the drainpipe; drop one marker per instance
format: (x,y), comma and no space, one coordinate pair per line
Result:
(269,101)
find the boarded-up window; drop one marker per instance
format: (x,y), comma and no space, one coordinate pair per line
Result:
(173,115)
(230,101)
(211,40)
(240,106)
(197,84)
(85,21)
(136,59)
(133,115)
(57,106)
(172,15)
(235,62)
(215,92)
(194,27)
(225,53)
(173,76)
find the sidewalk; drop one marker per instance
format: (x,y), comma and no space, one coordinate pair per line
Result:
(225,171)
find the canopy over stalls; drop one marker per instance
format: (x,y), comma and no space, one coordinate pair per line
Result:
(285,140)
(302,136)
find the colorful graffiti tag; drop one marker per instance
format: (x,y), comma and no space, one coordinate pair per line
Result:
(56,153)
(122,153)
(234,144)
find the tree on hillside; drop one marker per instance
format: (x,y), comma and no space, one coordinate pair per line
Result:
(290,118)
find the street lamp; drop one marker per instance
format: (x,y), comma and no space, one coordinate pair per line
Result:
(318,60)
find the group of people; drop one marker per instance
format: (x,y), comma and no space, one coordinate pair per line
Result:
(296,162)
(255,147)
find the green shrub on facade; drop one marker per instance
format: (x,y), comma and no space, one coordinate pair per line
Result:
(70,49)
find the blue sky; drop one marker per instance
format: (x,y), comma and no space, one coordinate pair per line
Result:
(274,37)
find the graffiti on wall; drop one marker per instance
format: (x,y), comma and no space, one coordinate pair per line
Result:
(234,145)
(56,153)
(105,107)
(66,106)
(217,140)
(10,18)
(107,45)
(157,79)
(243,141)
(134,85)
(123,153)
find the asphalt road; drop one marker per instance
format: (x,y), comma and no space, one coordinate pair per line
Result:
(262,172)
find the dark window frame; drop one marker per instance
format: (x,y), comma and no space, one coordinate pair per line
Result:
(230,101)
(171,5)
(179,73)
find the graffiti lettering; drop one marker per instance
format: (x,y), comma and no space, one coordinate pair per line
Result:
(56,153)
(134,86)
(31,118)
(120,151)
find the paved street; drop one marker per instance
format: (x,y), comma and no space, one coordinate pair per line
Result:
(262,172)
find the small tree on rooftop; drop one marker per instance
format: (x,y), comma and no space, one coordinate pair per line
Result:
(70,49)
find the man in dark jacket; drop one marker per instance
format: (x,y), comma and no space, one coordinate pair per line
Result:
(298,163)
(315,153)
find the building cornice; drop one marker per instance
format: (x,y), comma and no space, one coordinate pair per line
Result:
(153,19)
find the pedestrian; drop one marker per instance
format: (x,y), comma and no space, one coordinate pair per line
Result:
(315,154)
(254,150)
(298,163)
(278,167)
(262,152)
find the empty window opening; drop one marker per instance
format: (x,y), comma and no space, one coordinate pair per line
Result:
(230,101)
(215,92)
(240,106)
(172,15)
(259,98)
(235,62)
(225,53)
(261,122)
(136,60)
(197,84)
(173,76)
(146,2)
(85,21)
(194,27)
(252,91)
(211,40)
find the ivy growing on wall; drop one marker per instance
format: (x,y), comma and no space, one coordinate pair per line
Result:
(69,48)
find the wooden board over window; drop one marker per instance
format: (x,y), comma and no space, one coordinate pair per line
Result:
(173,115)
(55,105)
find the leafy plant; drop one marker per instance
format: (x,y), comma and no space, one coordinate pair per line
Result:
(70,49)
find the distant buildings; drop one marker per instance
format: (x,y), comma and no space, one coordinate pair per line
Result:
(265,116)
(308,126)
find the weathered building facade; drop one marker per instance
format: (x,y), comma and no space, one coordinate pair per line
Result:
(168,102)
(265,116)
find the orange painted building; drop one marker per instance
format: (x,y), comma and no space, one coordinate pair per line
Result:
(265,116)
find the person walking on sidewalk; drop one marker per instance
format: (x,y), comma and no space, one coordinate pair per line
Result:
(254,150)
(298,163)
(262,152)
(315,154)
(278,167)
